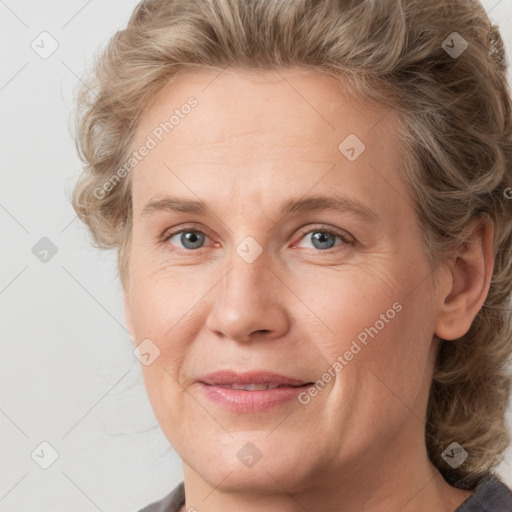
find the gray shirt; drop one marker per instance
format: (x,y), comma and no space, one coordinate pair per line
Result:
(490,495)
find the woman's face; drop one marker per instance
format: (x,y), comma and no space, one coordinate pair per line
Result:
(336,292)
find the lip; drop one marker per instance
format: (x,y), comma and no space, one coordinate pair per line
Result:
(250,401)
(226,377)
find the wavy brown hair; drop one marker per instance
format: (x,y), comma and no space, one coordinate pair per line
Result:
(455,128)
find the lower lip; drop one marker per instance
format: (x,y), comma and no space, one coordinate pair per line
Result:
(251,401)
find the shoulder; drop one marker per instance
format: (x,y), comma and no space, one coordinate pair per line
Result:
(172,502)
(490,495)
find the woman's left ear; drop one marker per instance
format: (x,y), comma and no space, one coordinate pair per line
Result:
(467,280)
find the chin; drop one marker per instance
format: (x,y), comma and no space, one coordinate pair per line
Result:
(249,462)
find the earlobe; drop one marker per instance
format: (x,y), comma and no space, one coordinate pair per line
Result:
(468,279)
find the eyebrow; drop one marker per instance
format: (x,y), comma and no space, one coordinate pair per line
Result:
(303,205)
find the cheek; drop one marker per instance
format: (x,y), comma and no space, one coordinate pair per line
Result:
(379,320)
(162,297)
(349,303)
(167,308)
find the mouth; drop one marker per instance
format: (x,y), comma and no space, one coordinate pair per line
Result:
(251,391)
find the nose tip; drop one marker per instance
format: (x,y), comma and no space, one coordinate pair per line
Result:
(246,306)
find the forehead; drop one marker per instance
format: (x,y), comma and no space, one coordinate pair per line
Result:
(268,133)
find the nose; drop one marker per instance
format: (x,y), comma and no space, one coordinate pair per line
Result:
(249,303)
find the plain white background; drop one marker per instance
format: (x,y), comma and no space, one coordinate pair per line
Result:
(68,375)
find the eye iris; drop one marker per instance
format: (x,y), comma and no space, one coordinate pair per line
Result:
(196,239)
(321,236)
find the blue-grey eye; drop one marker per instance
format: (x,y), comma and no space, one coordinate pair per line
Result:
(323,239)
(189,239)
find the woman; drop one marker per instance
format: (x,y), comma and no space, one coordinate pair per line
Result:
(311,206)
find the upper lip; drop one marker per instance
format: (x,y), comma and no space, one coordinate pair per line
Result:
(226,377)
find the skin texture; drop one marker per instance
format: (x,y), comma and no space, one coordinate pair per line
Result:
(254,141)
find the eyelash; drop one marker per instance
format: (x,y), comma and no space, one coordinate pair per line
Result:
(346,239)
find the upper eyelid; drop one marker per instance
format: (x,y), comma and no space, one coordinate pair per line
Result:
(323,227)
(168,233)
